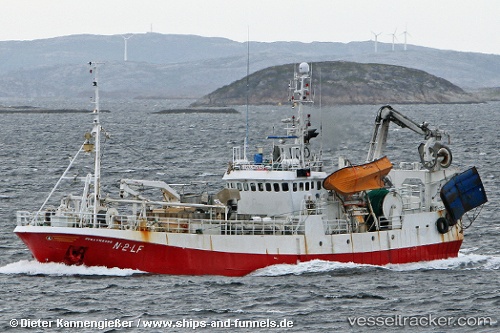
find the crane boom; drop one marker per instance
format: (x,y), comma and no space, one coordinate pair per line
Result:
(429,152)
(169,194)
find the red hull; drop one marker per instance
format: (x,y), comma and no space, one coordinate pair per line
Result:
(164,259)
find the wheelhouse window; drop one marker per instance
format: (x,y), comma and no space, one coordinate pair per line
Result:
(276,187)
(284,187)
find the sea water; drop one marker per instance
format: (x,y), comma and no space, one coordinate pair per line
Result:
(314,296)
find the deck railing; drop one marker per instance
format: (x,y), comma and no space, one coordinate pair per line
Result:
(255,226)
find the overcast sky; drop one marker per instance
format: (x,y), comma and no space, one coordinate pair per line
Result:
(463,25)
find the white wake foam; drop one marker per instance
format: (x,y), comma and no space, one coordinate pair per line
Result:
(313,266)
(32,267)
(466,261)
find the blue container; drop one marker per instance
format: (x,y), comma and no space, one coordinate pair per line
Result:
(463,193)
(257,158)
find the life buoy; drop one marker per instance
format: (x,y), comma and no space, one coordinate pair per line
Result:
(442,225)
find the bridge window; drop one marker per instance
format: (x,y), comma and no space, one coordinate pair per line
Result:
(301,186)
(284,187)
(245,186)
(238,186)
(276,187)
(260,186)
(252,187)
(294,186)
(268,187)
(307,186)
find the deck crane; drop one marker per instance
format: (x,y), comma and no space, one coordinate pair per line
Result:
(433,154)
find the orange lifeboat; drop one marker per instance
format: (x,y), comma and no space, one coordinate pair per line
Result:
(358,178)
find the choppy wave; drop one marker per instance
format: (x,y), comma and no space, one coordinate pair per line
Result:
(206,174)
(31,267)
(463,261)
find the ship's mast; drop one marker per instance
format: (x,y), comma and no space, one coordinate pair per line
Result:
(302,95)
(96,132)
(245,147)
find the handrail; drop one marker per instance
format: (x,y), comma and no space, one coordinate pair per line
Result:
(192,225)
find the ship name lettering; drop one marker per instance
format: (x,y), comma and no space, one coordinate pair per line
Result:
(253,167)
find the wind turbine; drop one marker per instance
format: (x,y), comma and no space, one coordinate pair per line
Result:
(376,40)
(125,39)
(394,38)
(405,33)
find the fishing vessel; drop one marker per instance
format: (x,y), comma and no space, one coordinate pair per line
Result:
(278,206)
